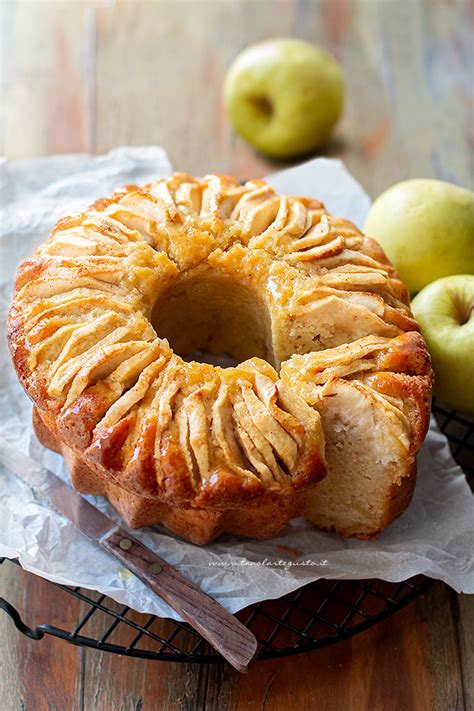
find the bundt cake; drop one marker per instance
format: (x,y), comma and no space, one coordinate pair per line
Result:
(331,372)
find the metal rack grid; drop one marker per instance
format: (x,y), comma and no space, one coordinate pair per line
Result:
(317,615)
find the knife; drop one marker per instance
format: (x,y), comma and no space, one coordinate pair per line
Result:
(212,621)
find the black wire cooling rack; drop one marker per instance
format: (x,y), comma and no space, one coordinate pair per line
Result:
(320,614)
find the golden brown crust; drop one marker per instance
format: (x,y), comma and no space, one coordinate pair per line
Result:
(414,391)
(166,437)
(263,519)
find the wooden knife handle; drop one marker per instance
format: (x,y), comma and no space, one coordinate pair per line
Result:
(213,622)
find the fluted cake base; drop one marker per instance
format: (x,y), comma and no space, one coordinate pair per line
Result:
(265,519)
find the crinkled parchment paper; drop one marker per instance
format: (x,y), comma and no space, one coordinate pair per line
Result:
(434,536)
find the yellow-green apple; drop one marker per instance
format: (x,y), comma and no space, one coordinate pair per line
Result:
(426,228)
(445,312)
(284,96)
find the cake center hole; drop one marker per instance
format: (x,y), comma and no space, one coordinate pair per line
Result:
(212,318)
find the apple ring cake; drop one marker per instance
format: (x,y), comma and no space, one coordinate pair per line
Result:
(331,376)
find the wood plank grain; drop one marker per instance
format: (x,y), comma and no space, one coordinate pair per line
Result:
(115,682)
(160,68)
(409,77)
(382,668)
(442,660)
(464,616)
(41,674)
(426,80)
(410,661)
(48,80)
(122,684)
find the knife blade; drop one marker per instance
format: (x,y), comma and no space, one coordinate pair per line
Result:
(219,627)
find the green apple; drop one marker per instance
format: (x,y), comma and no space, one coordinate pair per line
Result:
(445,312)
(426,228)
(284,96)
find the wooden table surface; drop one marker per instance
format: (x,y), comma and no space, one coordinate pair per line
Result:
(79,76)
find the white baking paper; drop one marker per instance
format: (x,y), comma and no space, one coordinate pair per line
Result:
(435,536)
